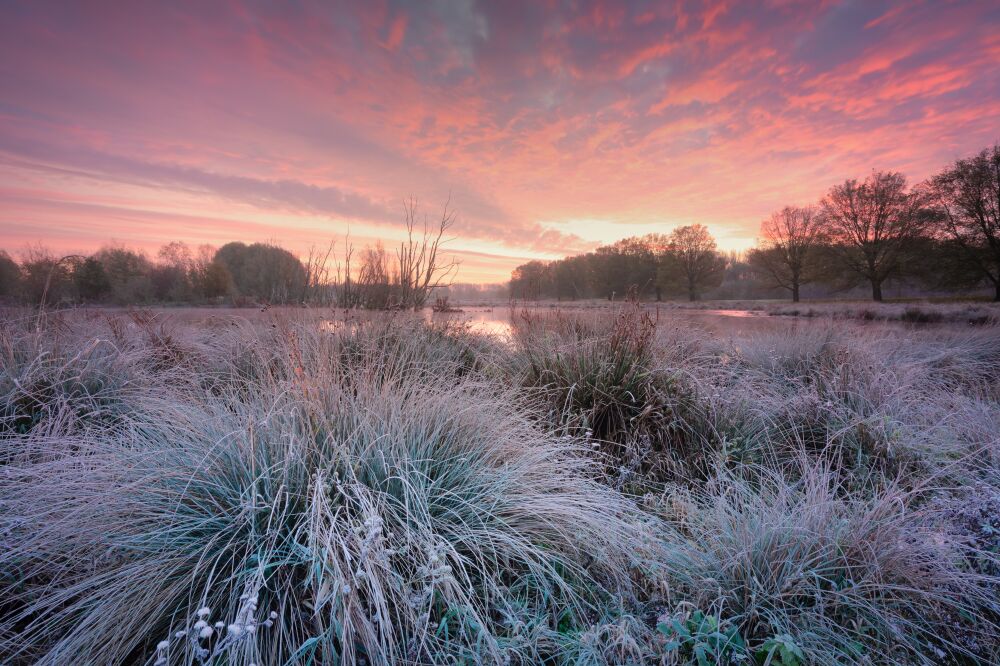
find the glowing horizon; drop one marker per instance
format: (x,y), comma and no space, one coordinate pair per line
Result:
(552,128)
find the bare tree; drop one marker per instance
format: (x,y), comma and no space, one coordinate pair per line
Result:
(317,284)
(789,240)
(46,277)
(692,261)
(419,266)
(967,198)
(873,224)
(375,279)
(404,279)
(45,273)
(346,295)
(172,276)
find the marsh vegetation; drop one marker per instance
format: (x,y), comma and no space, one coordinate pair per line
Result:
(596,487)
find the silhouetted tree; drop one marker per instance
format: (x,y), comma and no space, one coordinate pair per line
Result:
(318,279)
(171,277)
(967,198)
(571,277)
(374,283)
(92,284)
(614,270)
(264,272)
(531,281)
(873,224)
(692,262)
(10,277)
(407,277)
(788,248)
(419,269)
(214,281)
(45,277)
(741,280)
(128,273)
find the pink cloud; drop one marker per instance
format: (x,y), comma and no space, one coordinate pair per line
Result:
(397,31)
(524,114)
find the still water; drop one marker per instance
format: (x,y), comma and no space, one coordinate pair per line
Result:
(497,320)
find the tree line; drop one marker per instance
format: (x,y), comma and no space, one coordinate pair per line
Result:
(123,276)
(943,233)
(239,273)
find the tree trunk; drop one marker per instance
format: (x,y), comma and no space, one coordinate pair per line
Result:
(692,293)
(996,296)
(876,291)
(795,293)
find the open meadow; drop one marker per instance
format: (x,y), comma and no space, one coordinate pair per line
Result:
(612,485)
(470,333)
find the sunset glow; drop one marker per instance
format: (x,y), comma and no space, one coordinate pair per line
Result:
(552,127)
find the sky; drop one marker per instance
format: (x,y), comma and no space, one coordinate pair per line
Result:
(551,127)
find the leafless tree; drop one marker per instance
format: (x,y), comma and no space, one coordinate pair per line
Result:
(43,272)
(406,278)
(176,253)
(46,276)
(967,197)
(346,293)
(420,269)
(375,279)
(692,261)
(873,224)
(317,285)
(788,246)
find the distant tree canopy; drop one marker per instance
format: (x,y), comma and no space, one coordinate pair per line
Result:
(966,196)
(10,276)
(943,233)
(128,274)
(124,276)
(91,281)
(237,272)
(690,263)
(683,263)
(940,234)
(789,248)
(263,272)
(45,278)
(874,224)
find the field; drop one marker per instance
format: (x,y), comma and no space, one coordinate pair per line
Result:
(600,485)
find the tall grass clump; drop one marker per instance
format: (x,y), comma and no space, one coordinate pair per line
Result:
(317,513)
(53,382)
(596,379)
(377,348)
(404,346)
(834,577)
(874,404)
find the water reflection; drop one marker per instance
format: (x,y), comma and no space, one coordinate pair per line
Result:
(497,320)
(491,321)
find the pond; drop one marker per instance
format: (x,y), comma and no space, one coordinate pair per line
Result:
(497,320)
